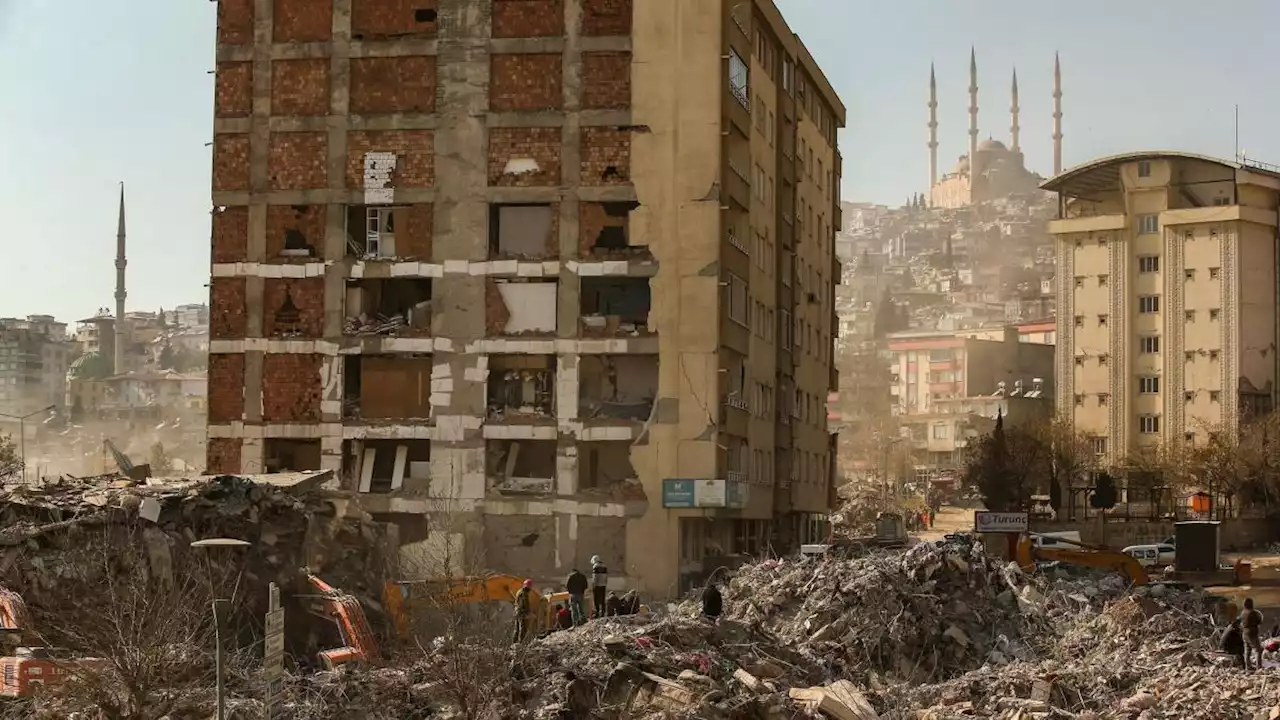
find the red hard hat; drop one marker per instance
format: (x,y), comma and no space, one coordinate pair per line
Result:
(528,583)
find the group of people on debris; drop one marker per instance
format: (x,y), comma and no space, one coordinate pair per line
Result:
(603,602)
(1243,638)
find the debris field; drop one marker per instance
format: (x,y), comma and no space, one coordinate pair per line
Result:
(939,631)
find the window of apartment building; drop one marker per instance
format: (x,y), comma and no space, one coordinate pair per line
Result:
(1189,274)
(1189,355)
(1102,321)
(785,327)
(1079,281)
(1148,424)
(1148,384)
(737,299)
(1213,354)
(1215,396)
(1221,201)
(1079,399)
(1103,398)
(1149,343)
(769,130)
(1079,321)
(1099,445)
(1102,359)
(1148,224)
(941,431)
(1102,281)
(809,165)
(739,74)
(1189,396)
(1079,360)
(1148,303)
(821,173)
(1189,438)
(1214,272)
(1189,316)
(760,114)
(1148,263)
(1213,314)
(787,69)
(1144,168)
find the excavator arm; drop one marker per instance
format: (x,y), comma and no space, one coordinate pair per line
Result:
(1100,558)
(344,610)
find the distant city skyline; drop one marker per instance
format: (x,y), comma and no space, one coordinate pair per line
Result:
(92,109)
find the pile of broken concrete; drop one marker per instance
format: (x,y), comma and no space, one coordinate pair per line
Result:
(289,523)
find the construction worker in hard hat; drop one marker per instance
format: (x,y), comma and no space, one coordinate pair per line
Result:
(524,598)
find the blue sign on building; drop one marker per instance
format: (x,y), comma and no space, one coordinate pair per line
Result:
(677,493)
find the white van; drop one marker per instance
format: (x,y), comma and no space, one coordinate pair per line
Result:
(1158,555)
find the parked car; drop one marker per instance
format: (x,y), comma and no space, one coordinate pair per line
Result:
(1159,555)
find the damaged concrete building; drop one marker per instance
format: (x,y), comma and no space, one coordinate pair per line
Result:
(539,279)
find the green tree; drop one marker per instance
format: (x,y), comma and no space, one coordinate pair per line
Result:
(1005,467)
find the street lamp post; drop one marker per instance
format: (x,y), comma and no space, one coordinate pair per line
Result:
(221,608)
(22,435)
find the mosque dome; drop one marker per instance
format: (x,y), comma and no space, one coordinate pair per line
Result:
(991,145)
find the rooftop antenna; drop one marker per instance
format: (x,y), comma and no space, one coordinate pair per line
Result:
(1237,137)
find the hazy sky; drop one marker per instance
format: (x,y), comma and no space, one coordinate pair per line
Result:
(99,92)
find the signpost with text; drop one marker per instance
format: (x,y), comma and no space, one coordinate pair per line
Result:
(273,651)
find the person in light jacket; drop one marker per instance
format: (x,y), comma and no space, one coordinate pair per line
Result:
(599,582)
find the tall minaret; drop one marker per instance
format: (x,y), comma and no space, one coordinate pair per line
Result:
(973,113)
(1057,115)
(121,262)
(933,128)
(1013,109)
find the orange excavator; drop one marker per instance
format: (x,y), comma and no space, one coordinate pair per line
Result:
(344,610)
(402,598)
(1086,555)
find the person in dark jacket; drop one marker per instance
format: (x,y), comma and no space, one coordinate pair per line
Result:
(1233,642)
(524,602)
(599,582)
(712,602)
(629,604)
(612,605)
(576,586)
(563,619)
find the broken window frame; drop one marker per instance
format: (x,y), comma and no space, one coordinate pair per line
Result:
(549,244)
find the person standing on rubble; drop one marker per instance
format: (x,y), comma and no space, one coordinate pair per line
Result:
(1251,622)
(712,602)
(576,586)
(523,602)
(599,581)
(564,620)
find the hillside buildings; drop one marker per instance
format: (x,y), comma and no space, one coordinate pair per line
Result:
(549,278)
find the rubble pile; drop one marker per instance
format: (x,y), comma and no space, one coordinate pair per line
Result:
(932,612)
(289,525)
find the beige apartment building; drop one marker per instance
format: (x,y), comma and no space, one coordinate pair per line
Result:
(948,387)
(539,279)
(1166,297)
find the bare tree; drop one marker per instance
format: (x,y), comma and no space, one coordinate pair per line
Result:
(134,633)
(1069,457)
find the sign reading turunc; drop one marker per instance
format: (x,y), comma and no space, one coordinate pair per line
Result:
(985,521)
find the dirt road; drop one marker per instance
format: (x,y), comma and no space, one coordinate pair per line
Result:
(948,520)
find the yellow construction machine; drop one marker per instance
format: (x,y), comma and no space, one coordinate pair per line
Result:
(403,599)
(1028,554)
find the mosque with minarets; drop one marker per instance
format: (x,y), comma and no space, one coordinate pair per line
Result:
(991,169)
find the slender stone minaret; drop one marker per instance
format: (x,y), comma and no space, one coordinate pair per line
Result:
(1013,109)
(121,262)
(1057,115)
(973,113)
(933,128)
